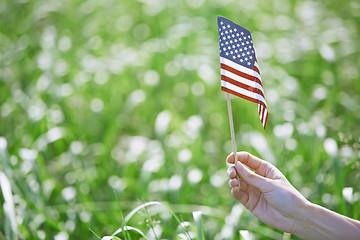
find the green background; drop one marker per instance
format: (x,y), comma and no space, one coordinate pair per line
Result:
(106,105)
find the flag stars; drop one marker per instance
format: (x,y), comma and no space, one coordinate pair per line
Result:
(236,45)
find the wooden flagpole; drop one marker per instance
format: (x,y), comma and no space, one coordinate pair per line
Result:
(232,131)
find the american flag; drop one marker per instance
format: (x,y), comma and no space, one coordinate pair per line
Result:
(240,73)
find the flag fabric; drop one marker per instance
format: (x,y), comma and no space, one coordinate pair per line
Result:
(240,74)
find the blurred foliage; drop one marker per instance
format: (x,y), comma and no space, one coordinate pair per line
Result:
(122,96)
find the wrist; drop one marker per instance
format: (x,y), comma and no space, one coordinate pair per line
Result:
(305,221)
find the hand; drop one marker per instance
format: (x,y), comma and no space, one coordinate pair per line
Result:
(265,192)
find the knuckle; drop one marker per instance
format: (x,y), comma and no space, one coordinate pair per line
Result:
(247,157)
(244,157)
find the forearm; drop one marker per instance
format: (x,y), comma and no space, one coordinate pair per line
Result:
(316,222)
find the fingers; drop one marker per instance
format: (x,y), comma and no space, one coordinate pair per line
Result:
(240,195)
(260,166)
(251,177)
(247,175)
(233,182)
(247,159)
(243,185)
(231,172)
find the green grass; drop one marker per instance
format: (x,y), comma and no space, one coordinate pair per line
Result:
(97,97)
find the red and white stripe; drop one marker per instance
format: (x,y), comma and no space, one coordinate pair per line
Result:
(245,83)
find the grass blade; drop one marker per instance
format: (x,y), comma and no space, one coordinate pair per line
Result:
(95,233)
(126,234)
(199,225)
(151,223)
(128,228)
(245,235)
(142,206)
(110,238)
(11,231)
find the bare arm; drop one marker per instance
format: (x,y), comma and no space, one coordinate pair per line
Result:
(316,222)
(270,197)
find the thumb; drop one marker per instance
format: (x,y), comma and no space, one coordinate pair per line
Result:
(251,177)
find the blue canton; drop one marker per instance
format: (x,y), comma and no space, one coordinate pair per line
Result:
(235,43)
